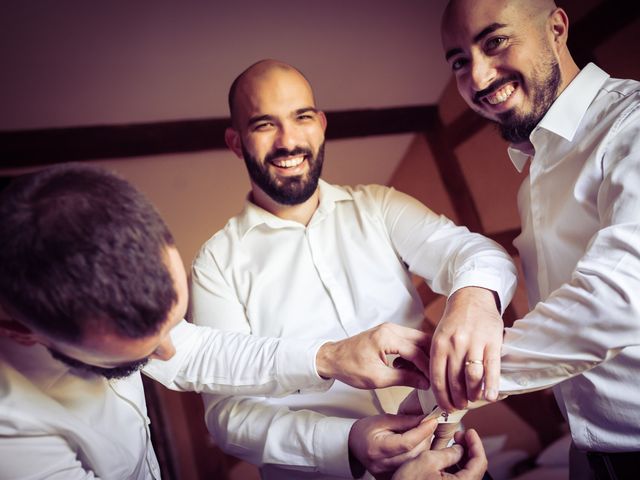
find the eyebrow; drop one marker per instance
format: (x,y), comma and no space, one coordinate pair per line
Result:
(270,118)
(479,36)
(259,118)
(306,109)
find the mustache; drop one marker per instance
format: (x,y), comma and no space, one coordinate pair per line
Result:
(493,87)
(284,152)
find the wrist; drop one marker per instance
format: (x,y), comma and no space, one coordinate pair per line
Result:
(324,360)
(475,294)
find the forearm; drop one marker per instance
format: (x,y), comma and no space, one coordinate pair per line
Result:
(447,256)
(209,360)
(256,430)
(570,333)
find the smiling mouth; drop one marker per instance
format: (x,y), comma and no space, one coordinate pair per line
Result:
(500,95)
(290,162)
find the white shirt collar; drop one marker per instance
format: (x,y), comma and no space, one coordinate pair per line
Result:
(252,216)
(567,111)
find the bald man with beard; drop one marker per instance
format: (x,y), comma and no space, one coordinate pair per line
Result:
(579,132)
(307,259)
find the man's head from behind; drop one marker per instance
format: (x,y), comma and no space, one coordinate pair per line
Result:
(89,269)
(509,58)
(278,130)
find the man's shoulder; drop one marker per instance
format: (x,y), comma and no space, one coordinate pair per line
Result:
(619,95)
(229,234)
(626,87)
(364,193)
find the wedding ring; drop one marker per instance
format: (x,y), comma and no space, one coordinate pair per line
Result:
(473,362)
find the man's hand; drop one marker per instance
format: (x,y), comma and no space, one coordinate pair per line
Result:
(431,464)
(377,445)
(361,361)
(466,349)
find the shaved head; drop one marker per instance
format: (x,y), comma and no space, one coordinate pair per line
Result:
(527,8)
(249,79)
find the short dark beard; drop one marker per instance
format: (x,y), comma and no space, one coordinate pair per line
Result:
(286,191)
(121,371)
(517,129)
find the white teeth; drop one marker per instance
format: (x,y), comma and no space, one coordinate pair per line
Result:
(289,162)
(501,95)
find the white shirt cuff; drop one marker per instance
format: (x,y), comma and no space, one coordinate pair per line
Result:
(296,365)
(331,444)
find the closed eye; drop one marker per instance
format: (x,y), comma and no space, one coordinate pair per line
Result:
(262,126)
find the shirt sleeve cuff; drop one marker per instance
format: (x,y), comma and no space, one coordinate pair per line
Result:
(296,365)
(331,442)
(496,284)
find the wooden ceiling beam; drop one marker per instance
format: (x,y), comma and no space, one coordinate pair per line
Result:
(27,148)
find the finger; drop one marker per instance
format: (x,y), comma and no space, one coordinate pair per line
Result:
(394,462)
(438,376)
(414,335)
(409,378)
(491,372)
(474,444)
(414,353)
(457,382)
(413,432)
(476,464)
(474,373)
(405,364)
(389,376)
(441,459)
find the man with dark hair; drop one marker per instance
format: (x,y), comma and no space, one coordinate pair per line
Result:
(579,130)
(92,288)
(307,259)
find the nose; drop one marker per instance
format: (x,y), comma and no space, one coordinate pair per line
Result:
(287,137)
(483,72)
(165,350)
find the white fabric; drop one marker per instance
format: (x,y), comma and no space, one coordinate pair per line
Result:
(347,271)
(61,424)
(580,249)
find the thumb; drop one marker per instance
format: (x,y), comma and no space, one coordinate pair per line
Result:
(441,459)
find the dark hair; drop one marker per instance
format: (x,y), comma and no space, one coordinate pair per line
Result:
(81,248)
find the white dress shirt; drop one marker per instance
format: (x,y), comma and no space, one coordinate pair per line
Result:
(346,271)
(57,423)
(580,248)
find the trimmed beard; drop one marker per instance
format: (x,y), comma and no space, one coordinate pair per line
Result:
(289,190)
(516,128)
(121,371)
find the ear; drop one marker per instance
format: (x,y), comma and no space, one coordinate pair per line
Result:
(17,332)
(559,23)
(232,139)
(323,120)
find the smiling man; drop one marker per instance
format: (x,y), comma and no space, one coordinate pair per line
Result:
(579,130)
(307,259)
(92,288)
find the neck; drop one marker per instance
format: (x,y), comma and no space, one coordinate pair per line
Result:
(300,213)
(568,70)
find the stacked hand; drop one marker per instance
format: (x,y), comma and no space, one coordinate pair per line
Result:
(432,464)
(383,443)
(361,361)
(465,351)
